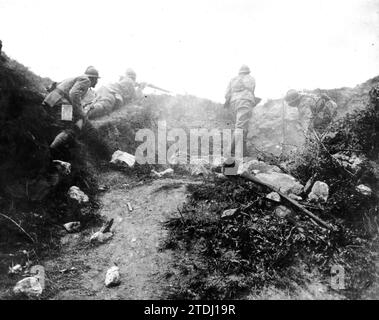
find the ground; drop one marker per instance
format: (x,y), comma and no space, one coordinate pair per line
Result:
(135,247)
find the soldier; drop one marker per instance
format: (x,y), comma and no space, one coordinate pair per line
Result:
(114,95)
(64,103)
(240,99)
(315,112)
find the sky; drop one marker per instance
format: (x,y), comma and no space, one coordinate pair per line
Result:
(197,46)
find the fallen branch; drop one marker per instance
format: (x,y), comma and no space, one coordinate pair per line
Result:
(251,178)
(21,228)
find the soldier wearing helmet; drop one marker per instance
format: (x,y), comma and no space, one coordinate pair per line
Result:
(64,103)
(240,99)
(114,95)
(315,111)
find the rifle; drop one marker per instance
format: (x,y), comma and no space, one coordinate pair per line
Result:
(145,84)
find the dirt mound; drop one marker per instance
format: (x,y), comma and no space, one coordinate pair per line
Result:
(31,184)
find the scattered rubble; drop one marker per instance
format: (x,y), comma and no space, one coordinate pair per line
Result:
(121,157)
(29,286)
(319,193)
(77,195)
(112,278)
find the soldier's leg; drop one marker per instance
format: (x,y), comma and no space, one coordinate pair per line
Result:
(243,115)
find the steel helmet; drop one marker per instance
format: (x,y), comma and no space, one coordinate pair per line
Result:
(92,72)
(244,69)
(292,96)
(131,73)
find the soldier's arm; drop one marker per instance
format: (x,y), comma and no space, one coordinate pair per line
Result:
(78,90)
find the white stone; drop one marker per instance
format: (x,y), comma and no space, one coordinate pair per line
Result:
(121,157)
(15,269)
(101,237)
(112,278)
(72,226)
(29,286)
(273,196)
(320,192)
(284,182)
(366,191)
(78,195)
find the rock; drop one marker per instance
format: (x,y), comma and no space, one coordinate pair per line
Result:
(284,182)
(320,192)
(366,191)
(166,172)
(112,278)
(256,166)
(295,197)
(101,237)
(29,286)
(120,157)
(228,213)
(77,195)
(282,211)
(72,226)
(15,269)
(64,168)
(273,196)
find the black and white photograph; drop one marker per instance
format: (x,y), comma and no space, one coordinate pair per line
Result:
(207,152)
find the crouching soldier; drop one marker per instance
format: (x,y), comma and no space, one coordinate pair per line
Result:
(316,112)
(64,104)
(114,95)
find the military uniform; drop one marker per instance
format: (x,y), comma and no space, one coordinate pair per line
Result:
(69,92)
(241,100)
(112,96)
(316,112)
(64,104)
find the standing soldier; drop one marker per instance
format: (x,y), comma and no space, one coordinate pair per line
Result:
(240,99)
(65,104)
(315,112)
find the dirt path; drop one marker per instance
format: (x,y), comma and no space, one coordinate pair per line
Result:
(134,247)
